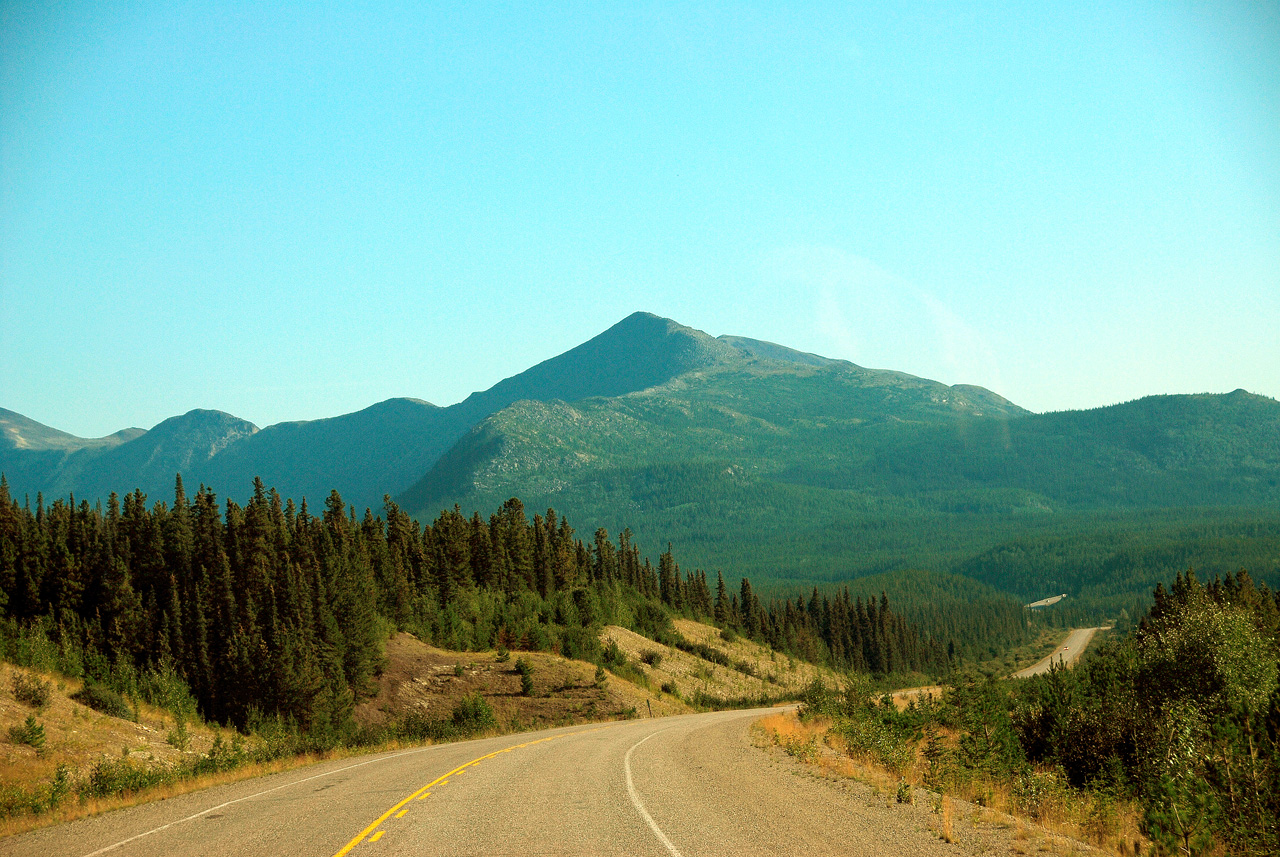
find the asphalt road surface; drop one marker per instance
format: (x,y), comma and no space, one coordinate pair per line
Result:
(1067,654)
(690,785)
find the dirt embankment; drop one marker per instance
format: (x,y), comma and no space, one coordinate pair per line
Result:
(431,681)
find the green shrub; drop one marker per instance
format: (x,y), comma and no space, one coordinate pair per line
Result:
(30,733)
(525,669)
(473,714)
(102,698)
(31,690)
(613,655)
(650,657)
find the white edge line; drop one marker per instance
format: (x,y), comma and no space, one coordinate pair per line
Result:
(251,797)
(635,796)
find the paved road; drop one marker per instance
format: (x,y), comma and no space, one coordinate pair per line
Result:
(687,785)
(1067,654)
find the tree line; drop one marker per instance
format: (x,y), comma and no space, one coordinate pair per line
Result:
(269,610)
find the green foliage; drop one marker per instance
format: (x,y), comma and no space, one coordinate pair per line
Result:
(650,657)
(31,690)
(30,733)
(525,671)
(988,742)
(872,729)
(473,714)
(104,699)
(1181,715)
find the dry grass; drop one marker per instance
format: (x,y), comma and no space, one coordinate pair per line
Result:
(78,737)
(1058,823)
(774,674)
(72,810)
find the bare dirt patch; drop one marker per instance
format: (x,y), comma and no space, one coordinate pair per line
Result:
(432,681)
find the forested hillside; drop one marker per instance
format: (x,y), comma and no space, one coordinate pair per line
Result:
(267,610)
(803,475)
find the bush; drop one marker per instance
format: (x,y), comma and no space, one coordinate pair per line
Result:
(580,644)
(650,657)
(729,635)
(473,714)
(525,669)
(31,690)
(613,656)
(30,733)
(104,699)
(670,687)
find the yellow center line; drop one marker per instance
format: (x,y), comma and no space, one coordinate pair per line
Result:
(402,813)
(443,780)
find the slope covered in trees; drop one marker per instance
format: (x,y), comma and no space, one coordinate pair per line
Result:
(796,474)
(267,610)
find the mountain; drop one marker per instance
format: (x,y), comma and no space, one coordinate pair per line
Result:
(23,433)
(758,459)
(637,353)
(364,454)
(797,472)
(754,416)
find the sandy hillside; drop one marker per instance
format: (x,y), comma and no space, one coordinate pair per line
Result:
(78,736)
(765,672)
(419,677)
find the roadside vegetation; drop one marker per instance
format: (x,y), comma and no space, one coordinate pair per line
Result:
(258,634)
(1165,740)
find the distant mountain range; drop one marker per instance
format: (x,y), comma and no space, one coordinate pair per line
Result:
(707,441)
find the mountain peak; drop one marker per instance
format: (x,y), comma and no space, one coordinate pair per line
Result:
(641,351)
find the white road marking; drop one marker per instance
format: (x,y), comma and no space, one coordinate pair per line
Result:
(250,797)
(635,797)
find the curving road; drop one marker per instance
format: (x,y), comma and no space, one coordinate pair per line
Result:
(1067,654)
(689,785)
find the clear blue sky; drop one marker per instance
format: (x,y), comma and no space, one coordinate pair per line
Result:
(290,213)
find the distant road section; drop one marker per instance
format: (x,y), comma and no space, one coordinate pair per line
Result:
(1046,602)
(1067,654)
